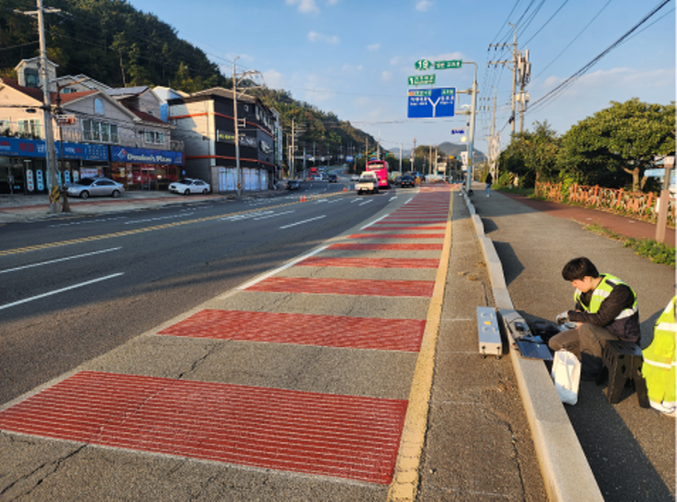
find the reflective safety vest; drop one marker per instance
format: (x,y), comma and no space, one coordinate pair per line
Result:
(659,364)
(601,292)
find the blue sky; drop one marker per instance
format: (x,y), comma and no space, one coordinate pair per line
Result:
(353,57)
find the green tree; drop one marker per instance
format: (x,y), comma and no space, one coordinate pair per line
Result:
(532,155)
(616,142)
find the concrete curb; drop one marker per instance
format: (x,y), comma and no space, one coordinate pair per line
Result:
(565,469)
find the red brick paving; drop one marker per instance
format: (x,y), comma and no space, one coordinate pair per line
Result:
(357,287)
(370,262)
(325,434)
(303,329)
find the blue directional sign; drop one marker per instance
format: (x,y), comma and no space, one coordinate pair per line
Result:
(431,103)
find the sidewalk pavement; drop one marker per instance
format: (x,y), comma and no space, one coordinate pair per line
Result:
(14,208)
(630,450)
(622,225)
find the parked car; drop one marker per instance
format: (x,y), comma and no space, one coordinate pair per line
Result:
(93,187)
(407,181)
(188,186)
(354,177)
(333,178)
(293,185)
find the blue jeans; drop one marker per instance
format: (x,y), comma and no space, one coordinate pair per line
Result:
(488,189)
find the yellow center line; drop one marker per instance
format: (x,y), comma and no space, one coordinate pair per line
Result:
(146,229)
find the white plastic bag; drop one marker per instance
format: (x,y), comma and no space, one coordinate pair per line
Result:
(566,372)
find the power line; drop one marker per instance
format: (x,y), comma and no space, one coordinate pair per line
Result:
(568,82)
(574,39)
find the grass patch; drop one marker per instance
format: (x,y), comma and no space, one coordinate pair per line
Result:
(527,192)
(657,252)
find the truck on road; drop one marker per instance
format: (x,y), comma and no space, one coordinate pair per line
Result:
(368,182)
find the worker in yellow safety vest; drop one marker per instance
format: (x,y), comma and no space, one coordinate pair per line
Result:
(658,368)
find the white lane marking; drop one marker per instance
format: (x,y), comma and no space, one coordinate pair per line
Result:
(354,200)
(170,217)
(273,215)
(60,259)
(280,269)
(87,222)
(408,201)
(302,222)
(367,202)
(375,221)
(246,216)
(56,292)
(392,198)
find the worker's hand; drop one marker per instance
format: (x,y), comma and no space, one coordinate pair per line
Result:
(562,318)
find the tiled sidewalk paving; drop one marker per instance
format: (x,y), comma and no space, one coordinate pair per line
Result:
(359,305)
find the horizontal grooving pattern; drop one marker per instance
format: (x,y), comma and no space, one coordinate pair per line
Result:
(358,287)
(316,261)
(342,436)
(303,329)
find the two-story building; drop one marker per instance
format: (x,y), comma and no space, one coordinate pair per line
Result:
(98,130)
(205,123)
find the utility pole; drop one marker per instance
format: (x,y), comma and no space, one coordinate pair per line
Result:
(293,149)
(524,74)
(512,62)
(50,150)
(236,124)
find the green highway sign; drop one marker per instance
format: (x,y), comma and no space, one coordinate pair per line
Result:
(422,80)
(423,65)
(448,65)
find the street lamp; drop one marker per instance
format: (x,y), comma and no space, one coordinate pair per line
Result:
(237,130)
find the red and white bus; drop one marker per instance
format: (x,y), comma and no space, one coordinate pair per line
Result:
(380,168)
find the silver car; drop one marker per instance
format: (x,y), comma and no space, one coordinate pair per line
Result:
(93,187)
(189,185)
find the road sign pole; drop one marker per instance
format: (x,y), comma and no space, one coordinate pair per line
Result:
(471,133)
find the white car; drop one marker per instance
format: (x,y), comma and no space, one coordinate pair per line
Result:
(188,186)
(354,177)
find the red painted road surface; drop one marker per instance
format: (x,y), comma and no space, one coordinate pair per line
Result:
(397,236)
(303,329)
(342,436)
(378,228)
(316,261)
(386,247)
(358,287)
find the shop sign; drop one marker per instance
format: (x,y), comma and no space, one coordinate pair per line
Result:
(18,147)
(145,156)
(40,179)
(265,147)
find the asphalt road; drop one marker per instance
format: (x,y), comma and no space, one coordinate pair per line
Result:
(75,288)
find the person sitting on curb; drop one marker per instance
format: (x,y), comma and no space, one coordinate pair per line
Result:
(606,309)
(658,368)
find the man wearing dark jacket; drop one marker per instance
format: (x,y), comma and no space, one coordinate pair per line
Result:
(606,309)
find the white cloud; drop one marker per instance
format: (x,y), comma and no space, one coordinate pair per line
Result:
(423,5)
(348,68)
(305,6)
(274,79)
(386,75)
(373,47)
(313,36)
